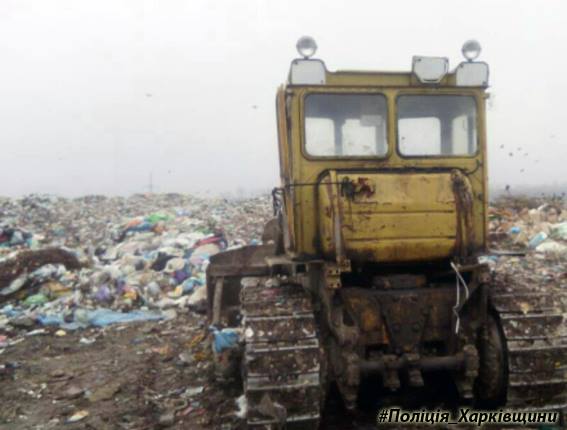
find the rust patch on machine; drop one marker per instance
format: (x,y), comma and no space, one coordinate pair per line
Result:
(464,203)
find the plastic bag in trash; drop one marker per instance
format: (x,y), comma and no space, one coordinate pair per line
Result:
(35,300)
(537,240)
(98,318)
(224,339)
(552,247)
(559,231)
(104,317)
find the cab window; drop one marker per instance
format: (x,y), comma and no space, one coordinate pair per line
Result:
(346,125)
(437,125)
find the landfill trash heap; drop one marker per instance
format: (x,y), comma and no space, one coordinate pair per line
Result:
(524,224)
(95,260)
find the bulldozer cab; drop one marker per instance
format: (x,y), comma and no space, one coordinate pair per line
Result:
(383,167)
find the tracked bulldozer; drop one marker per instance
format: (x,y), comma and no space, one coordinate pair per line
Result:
(372,266)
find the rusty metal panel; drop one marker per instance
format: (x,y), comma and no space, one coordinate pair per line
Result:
(408,225)
(394,217)
(284,149)
(401,318)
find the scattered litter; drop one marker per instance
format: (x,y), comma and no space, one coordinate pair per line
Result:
(87,340)
(35,300)
(77,416)
(198,298)
(193,391)
(559,231)
(71,392)
(36,332)
(185,358)
(224,339)
(83,318)
(552,247)
(197,339)
(537,240)
(242,407)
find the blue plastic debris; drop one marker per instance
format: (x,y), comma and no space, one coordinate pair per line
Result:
(224,339)
(537,240)
(190,284)
(10,311)
(97,318)
(104,317)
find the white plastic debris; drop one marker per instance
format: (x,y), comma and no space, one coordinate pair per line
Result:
(552,247)
(242,405)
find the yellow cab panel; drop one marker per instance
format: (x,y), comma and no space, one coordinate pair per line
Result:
(384,169)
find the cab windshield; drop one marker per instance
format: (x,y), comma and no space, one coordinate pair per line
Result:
(346,125)
(436,125)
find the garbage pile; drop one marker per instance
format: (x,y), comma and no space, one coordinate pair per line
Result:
(94,261)
(529,225)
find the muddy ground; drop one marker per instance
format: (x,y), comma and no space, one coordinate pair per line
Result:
(135,376)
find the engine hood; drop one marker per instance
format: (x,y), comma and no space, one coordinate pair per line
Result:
(394,217)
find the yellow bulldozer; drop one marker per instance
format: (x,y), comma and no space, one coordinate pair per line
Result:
(371,267)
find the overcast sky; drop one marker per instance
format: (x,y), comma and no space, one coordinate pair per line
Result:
(95,95)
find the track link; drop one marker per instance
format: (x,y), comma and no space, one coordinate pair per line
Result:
(282,357)
(535,330)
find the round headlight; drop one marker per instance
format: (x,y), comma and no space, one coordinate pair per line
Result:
(306,46)
(471,50)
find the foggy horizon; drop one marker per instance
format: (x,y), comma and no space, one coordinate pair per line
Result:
(98,96)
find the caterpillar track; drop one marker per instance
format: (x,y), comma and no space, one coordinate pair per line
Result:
(535,333)
(282,357)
